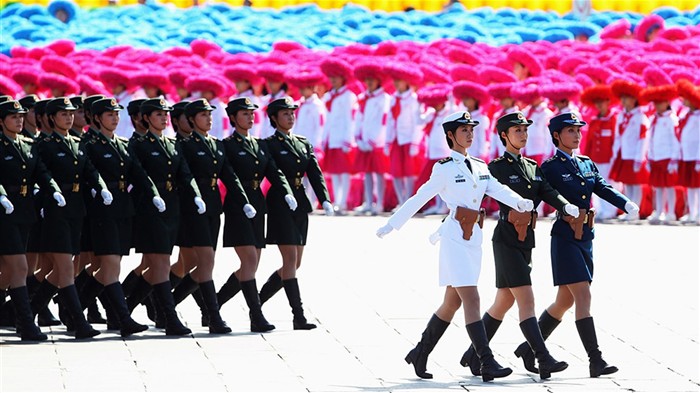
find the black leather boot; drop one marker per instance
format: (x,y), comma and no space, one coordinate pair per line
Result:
(271,287)
(140,291)
(547,324)
(199,299)
(69,299)
(469,358)
(230,288)
(173,326)
(597,366)
(112,318)
(90,291)
(174,280)
(23,313)
(258,323)
(490,368)
(7,311)
(291,288)
(418,356)
(80,279)
(129,283)
(44,315)
(216,324)
(546,364)
(185,289)
(127,326)
(42,297)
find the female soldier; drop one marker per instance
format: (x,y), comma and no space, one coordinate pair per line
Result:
(295,156)
(572,238)
(251,160)
(60,232)
(112,225)
(156,231)
(514,239)
(461,181)
(20,169)
(206,158)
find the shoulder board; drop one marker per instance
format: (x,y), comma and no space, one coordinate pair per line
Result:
(90,140)
(550,159)
(497,159)
(583,157)
(445,160)
(477,159)
(530,160)
(47,139)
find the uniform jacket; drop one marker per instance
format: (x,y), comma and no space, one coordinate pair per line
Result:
(529,184)
(340,123)
(372,117)
(576,179)
(20,169)
(690,136)
(295,157)
(311,119)
(663,143)
(539,141)
(600,138)
(403,124)
(631,136)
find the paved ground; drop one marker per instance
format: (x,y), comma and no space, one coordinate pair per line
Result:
(371,299)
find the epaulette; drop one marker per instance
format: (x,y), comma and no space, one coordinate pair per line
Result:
(497,159)
(530,160)
(477,159)
(445,160)
(47,139)
(583,157)
(550,159)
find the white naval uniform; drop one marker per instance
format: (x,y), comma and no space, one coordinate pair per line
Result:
(460,260)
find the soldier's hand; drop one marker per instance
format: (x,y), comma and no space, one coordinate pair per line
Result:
(328,208)
(60,200)
(159,203)
(385,230)
(201,206)
(107,197)
(291,202)
(525,205)
(9,207)
(631,208)
(571,210)
(672,166)
(249,210)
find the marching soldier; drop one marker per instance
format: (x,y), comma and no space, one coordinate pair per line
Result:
(79,121)
(461,181)
(514,239)
(29,129)
(133,110)
(294,155)
(576,178)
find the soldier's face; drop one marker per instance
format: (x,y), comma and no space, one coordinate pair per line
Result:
(158,120)
(570,137)
(285,119)
(463,136)
(245,119)
(63,120)
(183,124)
(203,121)
(517,135)
(13,123)
(79,121)
(30,118)
(109,120)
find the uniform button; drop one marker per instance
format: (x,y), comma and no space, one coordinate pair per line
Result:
(75,162)
(169,175)
(583,197)
(121,164)
(216,162)
(121,176)
(77,176)
(256,175)
(474,185)
(298,173)
(170,163)
(257,162)
(583,183)
(528,186)
(24,180)
(24,167)
(298,161)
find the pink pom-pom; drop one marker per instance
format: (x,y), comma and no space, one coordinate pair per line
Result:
(466,89)
(647,25)
(434,95)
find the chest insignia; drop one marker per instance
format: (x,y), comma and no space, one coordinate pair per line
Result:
(484,177)
(284,152)
(460,176)
(241,153)
(537,178)
(8,158)
(514,179)
(566,177)
(221,153)
(80,152)
(107,155)
(460,180)
(200,153)
(29,155)
(262,152)
(61,154)
(155,153)
(588,174)
(174,152)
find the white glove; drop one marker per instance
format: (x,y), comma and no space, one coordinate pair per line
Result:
(525,205)
(672,167)
(387,150)
(249,210)
(637,166)
(413,150)
(291,202)
(571,210)
(201,206)
(328,208)
(631,208)
(93,192)
(9,207)
(385,230)
(60,200)
(159,203)
(106,197)
(41,212)
(697,166)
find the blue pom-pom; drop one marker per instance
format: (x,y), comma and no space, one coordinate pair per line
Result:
(70,8)
(555,35)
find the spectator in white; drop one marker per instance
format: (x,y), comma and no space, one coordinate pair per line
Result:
(689,128)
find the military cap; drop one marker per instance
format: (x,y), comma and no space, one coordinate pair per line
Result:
(240,104)
(197,106)
(29,101)
(10,107)
(512,119)
(279,104)
(154,104)
(59,104)
(105,105)
(563,120)
(87,102)
(179,109)
(457,119)
(5,98)
(134,105)
(77,101)
(40,106)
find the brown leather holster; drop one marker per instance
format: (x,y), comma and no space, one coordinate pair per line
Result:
(521,220)
(467,218)
(584,217)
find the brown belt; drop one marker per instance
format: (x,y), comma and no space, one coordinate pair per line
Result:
(211,181)
(22,190)
(254,184)
(467,218)
(296,181)
(521,221)
(69,187)
(584,217)
(166,185)
(117,185)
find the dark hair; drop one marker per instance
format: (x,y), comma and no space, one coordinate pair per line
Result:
(97,123)
(144,123)
(273,123)
(88,115)
(51,123)
(555,141)
(191,123)
(173,122)
(450,144)
(503,140)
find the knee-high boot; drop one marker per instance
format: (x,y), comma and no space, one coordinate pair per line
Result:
(597,366)
(545,362)
(173,326)
(227,291)
(140,291)
(44,316)
(291,288)
(112,317)
(216,324)
(23,313)
(91,289)
(69,298)
(547,324)
(418,356)
(490,368)
(115,295)
(199,299)
(184,289)
(271,287)
(470,358)
(42,296)
(258,323)
(129,283)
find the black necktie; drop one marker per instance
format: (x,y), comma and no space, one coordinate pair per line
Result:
(469,164)
(521,163)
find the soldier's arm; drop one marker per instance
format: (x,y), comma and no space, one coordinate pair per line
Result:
(184,175)
(548,194)
(272,172)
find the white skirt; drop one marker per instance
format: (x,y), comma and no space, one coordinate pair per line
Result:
(460,260)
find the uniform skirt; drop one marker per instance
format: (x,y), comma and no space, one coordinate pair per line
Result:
(14,237)
(337,161)
(111,236)
(199,231)
(240,230)
(660,176)
(156,234)
(687,175)
(86,237)
(61,235)
(572,260)
(287,227)
(460,260)
(373,161)
(34,241)
(623,172)
(401,163)
(513,265)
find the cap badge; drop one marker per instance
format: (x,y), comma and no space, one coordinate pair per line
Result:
(467,116)
(205,102)
(247,101)
(288,101)
(521,117)
(66,101)
(162,102)
(113,102)
(17,105)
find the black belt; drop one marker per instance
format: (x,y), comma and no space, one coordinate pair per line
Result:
(117,185)
(22,190)
(69,187)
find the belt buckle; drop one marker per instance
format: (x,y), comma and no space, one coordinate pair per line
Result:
(256,184)
(23,190)
(213,182)
(76,187)
(168,185)
(297,181)
(122,185)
